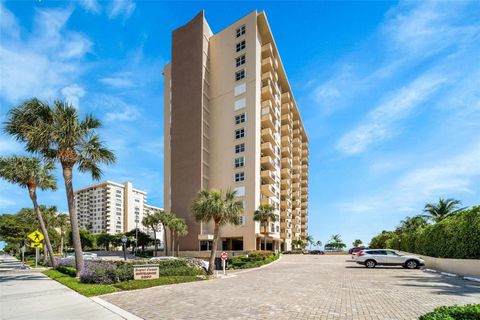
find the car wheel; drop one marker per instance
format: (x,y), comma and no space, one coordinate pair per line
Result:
(411,264)
(370,264)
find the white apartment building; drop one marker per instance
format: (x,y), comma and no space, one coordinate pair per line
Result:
(112,207)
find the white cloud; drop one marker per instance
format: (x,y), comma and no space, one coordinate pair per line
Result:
(120,81)
(44,61)
(122,8)
(8,146)
(127,114)
(90,5)
(72,94)
(378,124)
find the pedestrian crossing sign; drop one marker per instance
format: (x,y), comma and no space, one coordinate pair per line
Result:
(36,236)
(36,245)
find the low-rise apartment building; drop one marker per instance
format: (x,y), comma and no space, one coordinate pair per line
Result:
(231,122)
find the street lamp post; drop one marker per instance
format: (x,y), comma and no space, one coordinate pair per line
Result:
(136,236)
(124,242)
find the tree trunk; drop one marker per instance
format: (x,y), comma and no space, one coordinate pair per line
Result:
(265,235)
(155,242)
(77,244)
(33,196)
(62,236)
(172,244)
(178,246)
(164,239)
(213,253)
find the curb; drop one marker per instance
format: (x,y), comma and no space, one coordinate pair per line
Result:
(117,310)
(453,275)
(257,268)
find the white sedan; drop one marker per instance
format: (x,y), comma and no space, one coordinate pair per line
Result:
(386,257)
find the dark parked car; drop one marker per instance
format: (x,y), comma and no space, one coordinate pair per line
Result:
(358,249)
(317,252)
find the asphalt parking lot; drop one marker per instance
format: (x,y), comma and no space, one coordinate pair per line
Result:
(303,287)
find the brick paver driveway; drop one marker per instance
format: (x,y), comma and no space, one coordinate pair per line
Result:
(303,287)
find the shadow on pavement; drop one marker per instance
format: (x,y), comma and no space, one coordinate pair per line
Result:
(443,285)
(21,277)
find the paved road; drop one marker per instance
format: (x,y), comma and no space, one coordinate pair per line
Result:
(32,295)
(303,287)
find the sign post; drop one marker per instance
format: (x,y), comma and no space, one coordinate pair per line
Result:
(36,238)
(36,257)
(224,257)
(124,241)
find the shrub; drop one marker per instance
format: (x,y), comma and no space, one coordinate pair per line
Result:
(244,262)
(296,251)
(69,271)
(467,312)
(260,254)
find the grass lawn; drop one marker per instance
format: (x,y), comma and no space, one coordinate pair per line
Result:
(90,290)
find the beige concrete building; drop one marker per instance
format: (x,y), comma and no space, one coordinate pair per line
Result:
(231,121)
(112,207)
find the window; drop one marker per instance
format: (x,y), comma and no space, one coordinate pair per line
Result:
(240,46)
(240,118)
(240,191)
(240,148)
(240,133)
(239,75)
(240,61)
(239,176)
(241,31)
(239,162)
(239,104)
(241,220)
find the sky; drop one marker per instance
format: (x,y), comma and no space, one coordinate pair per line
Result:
(389,93)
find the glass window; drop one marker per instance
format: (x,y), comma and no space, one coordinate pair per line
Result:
(240,31)
(239,162)
(240,118)
(239,75)
(240,61)
(240,46)
(239,176)
(240,133)
(240,148)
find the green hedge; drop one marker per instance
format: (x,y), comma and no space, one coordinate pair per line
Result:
(245,262)
(69,271)
(467,312)
(455,237)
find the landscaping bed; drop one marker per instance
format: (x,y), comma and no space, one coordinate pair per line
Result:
(252,260)
(102,277)
(467,312)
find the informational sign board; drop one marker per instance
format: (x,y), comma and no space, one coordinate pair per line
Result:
(36,236)
(36,245)
(145,272)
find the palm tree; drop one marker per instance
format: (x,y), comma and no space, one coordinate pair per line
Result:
(298,243)
(318,243)
(265,214)
(31,173)
(410,224)
(444,208)
(165,220)
(152,221)
(219,207)
(178,228)
(357,243)
(57,133)
(309,240)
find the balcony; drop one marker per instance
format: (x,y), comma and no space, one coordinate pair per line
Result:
(285,204)
(268,149)
(287,223)
(268,190)
(304,205)
(268,176)
(286,163)
(296,178)
(286,152)
(304,167)
(286,129)
(286,214)
(296,133)
(267,135)
(268,76)
(286,235)
(296,142)
(304,198)
(304,190)
(296,161)
(286,141)
(267,92)
(268,162)
(286,97)
(296,186)
(296,151)
(286,173)
(267,120)
(287,119)
(268,201)
(267,50)
(296,124)
(305,145)
(304,153)
(267,65)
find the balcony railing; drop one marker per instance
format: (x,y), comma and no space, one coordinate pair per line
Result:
(267,64)
(268,176)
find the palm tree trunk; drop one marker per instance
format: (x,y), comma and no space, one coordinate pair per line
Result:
(172,243)
(155,242)
(164,239)
(213,252)
(33,196)
(265,235)
(62,235)
(178,246)
(77,244)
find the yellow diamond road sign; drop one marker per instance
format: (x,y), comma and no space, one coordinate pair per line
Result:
(36,245)
(36,236)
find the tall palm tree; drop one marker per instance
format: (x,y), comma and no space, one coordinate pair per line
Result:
(444,208)
(214,205)
(57,133)
(152,221)
(165,219)
(265,214)
(178,228)
(309,240)
(31,173)
(318,243)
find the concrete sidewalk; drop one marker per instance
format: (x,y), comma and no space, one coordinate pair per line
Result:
(32,295)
